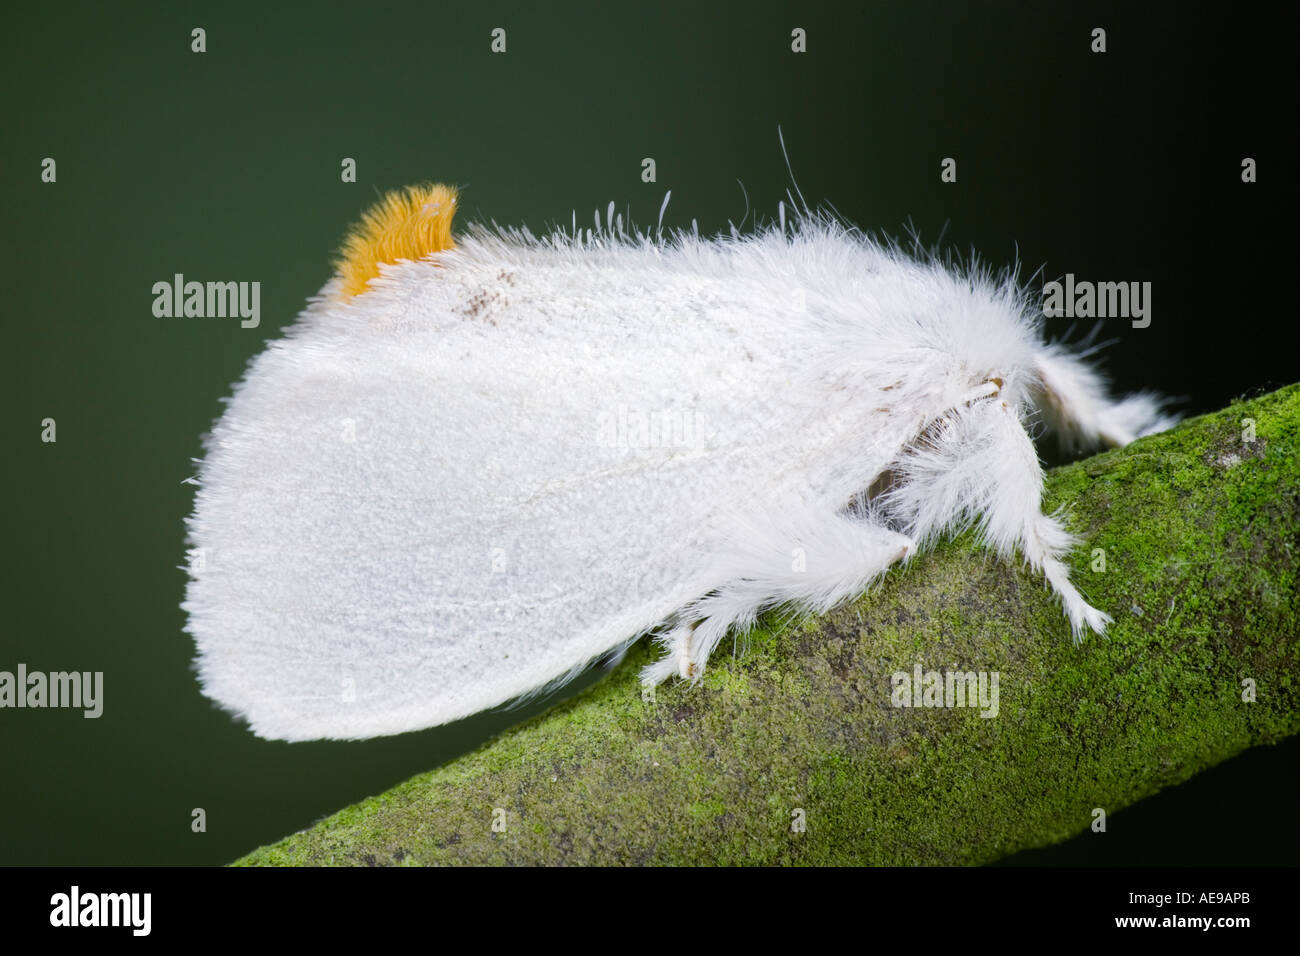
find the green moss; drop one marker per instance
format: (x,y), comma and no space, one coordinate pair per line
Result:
(1199,531)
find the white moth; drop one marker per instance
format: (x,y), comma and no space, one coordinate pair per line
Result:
(498,460)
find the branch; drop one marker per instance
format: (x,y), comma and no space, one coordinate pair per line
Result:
(1197,528)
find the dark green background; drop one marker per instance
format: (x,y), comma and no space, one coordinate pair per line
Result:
(225,166)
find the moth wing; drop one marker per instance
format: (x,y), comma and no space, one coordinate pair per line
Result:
(457,489)
(403,519)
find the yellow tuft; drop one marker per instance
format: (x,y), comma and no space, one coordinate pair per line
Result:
(406,223)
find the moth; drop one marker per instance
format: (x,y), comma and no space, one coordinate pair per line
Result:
(474,466)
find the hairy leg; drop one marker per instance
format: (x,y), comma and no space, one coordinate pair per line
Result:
(801,555)
(1073,401)
(979,467)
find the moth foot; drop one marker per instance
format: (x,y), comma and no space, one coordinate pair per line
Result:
(678,662)
(1085,617)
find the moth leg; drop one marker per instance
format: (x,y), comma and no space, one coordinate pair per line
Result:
(1016,508)
(803,556)
(981,467)
(1073,401)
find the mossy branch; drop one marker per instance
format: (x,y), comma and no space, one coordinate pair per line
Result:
(1189,539)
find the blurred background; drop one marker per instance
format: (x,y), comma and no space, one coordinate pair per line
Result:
(226,165)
